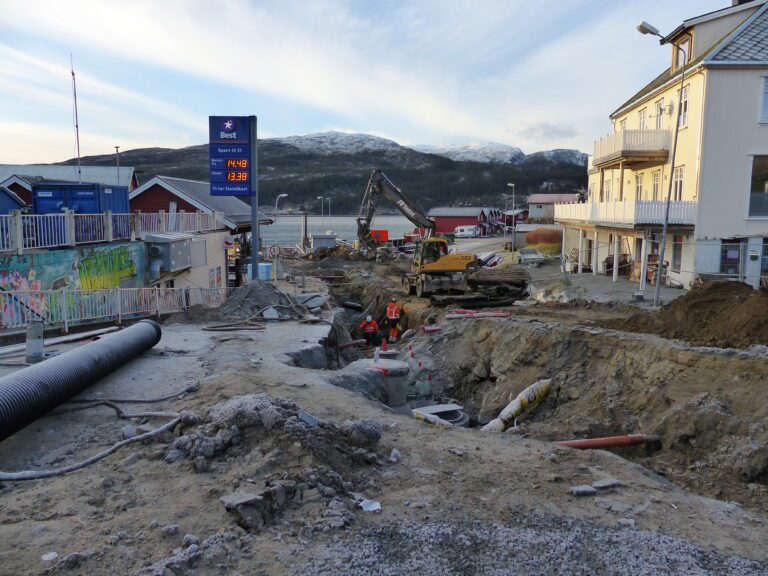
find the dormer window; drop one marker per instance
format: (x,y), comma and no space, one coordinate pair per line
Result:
(682,50)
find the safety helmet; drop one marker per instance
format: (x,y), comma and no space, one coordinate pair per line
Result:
(368,319)
(393,299)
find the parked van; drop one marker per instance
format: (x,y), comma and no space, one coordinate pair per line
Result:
(466,232)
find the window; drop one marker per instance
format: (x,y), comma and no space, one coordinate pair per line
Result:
(683,112)
(591,193)
(623,125)
(677,253)
(607,189)
(656,185)
(677,183)
(764,115)
(758,193)
(683,53)
(659,114)
(641,119)
(172,207)
(638,186)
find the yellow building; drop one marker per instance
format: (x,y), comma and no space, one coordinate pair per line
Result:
(718,217)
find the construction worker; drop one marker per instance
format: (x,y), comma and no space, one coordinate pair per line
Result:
(393,319)
(370,329)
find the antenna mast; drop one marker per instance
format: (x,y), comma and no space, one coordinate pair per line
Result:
(77,124)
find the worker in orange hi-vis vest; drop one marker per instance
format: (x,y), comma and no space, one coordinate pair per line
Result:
(370,329)
(393,319)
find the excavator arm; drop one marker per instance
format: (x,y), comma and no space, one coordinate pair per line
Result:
(380,185)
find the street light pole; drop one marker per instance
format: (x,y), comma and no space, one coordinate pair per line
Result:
(278,199)
(645,28)
(322,213)
(330,222)
(117,158)
(514,217)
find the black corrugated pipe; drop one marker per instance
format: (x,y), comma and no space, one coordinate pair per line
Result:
(29,393)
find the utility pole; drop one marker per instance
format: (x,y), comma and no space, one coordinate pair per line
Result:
(330,222)
(117,159)
(514,217)
(322,209)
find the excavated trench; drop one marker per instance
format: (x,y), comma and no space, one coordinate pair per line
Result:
(708,405)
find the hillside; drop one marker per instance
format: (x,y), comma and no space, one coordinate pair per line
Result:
(338,164)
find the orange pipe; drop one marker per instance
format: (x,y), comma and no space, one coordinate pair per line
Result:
(611,441)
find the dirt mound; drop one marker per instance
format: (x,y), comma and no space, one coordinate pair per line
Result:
(723,314)
(242,304)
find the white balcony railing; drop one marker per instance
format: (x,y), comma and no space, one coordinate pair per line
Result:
(626,142)
(626,212)
(20,232)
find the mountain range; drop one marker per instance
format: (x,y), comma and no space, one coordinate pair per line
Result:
(338,164)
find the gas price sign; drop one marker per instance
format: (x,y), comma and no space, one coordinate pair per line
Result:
(230,151)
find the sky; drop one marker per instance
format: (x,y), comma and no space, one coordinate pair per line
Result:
(537,74)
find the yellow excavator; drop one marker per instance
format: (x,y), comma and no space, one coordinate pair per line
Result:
(433,269)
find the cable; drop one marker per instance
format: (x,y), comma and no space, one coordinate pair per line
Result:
(192,388)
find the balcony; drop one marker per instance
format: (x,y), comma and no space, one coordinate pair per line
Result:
(632,146)
(626,213)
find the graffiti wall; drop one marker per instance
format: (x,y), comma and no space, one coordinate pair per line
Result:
(119,265)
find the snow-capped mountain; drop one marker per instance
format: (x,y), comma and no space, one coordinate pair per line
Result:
(328,143)
(564,155)
(489,152)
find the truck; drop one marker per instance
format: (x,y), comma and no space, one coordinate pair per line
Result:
(433,268)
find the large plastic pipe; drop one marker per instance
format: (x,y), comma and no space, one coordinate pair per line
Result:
(32,392)
(611,441)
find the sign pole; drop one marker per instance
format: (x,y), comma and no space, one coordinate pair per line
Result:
(254,200)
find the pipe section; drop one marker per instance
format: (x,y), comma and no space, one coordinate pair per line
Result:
(611,441)
(32,392)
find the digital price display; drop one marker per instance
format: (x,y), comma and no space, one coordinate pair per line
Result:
(230,149)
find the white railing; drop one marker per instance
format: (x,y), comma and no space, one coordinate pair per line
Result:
(627,212)
(627,141)
(70,307)
(19,232)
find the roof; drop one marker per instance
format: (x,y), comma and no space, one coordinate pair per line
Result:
(529,227)
(12,195)
(552,198)
(198,193)
(66,173)
(748,43)
(515,212)
(458,211)
(715,14)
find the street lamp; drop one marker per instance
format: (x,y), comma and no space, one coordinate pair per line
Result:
(278,199)
(117,158)
(322,208)
(645,28)
(514,217)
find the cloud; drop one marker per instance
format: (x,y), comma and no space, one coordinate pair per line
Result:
(544,131)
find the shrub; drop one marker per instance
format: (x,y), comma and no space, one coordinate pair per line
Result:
(544,236)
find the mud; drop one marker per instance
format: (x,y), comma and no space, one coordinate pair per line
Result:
(723,314)
(709,406)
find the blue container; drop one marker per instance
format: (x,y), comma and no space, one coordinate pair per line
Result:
(80,198)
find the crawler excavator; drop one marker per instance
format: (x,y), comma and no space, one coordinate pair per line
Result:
(433,269)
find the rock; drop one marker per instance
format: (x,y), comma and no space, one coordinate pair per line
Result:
(129,431)
(583,490)
(612,505)
(154,524)
(308,419)
(363,433)
(170,529)
(129,460)
(457,452)
(189,418)
(551,456)
(201,465)
(174,455)
(193,549)
(626,522)
(189,540)
(395,456)
(326,491)
(606,484)
(107,482)
(49,557)
(74,560)
(250,510)
(555,478)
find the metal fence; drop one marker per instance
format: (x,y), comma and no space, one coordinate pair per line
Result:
(19,232)
(71,307)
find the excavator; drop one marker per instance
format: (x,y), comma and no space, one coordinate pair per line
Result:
(433,268)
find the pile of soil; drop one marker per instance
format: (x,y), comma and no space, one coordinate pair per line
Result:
(242,304)
(722,314)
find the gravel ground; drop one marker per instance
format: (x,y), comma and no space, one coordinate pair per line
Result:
(538,545)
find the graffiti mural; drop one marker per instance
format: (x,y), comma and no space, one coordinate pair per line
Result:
(119,265)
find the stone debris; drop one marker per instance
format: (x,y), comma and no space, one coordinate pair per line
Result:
(606,484)
(395,456)
(49,557)
(626,522)
(582,490)
(362,433)
(170,529)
